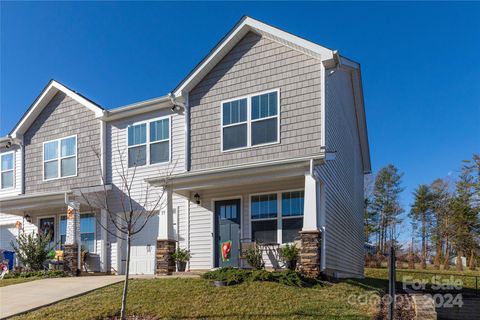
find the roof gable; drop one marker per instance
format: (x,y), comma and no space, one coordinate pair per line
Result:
(52,88)
(245,25)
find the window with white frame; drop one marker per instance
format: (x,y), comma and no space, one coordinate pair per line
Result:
(6,170)
(277,217)
(149,142)
(250,121)
(60,158)
(87,231)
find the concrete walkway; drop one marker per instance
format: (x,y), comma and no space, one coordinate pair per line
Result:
(23,297)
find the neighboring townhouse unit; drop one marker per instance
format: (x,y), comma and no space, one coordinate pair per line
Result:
(264,142)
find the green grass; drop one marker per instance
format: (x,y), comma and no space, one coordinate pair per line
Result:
(10,281)
(198,299)
(377,277)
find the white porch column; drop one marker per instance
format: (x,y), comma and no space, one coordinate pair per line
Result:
(103,240)
(73,223)
(72,238)
(165,225)
(311,204)
(165,241)
(310,235)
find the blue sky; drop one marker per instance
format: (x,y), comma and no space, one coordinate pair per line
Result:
(419,63)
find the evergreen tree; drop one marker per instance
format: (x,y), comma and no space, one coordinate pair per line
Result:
(440,199)
(386,203)
(465,220)
(421,212)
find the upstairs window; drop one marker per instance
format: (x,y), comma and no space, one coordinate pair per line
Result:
(6,170)
(235,124)
(265,118)
(60,158)
(149,142)
(251,121)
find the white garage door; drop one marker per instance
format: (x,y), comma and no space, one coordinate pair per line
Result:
(7,234)
(142,257)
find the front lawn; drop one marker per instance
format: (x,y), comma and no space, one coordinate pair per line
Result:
(198,299)
(378,277)
(16,278)
(10,281)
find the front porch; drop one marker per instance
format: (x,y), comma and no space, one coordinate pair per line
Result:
(267,205)
(71,223)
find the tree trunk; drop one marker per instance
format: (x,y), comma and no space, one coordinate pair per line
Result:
(471,265)
(423,264)
(438,251)
(459,264)
(123,312)
(381,234)
(411,258)
(446,262)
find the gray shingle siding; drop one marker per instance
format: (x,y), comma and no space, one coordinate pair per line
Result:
(63,117)
(257,64)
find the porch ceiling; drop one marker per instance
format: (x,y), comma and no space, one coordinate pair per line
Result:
(234,176)
(20,204)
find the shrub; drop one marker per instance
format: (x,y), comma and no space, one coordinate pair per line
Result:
(181,255)
(254,257)
(236,276)
(289,278)
(32,250)
(289,253)
(44,274)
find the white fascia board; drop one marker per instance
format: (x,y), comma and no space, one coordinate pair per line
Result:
(250,24)
(44,99)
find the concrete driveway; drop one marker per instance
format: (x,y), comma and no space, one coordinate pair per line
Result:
(23,297)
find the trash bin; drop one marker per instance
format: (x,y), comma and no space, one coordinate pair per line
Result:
(10,256)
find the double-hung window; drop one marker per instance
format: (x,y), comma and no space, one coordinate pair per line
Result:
(87,231)
(6,170)
(251,121)
(149,142)
(264,209)
(60,158)
(277,217)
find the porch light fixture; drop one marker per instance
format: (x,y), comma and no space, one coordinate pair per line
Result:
(197,198)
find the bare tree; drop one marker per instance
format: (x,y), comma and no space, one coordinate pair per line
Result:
(126,211)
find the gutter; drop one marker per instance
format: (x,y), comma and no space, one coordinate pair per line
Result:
(136,108)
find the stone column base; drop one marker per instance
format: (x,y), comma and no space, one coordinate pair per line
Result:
(310,253)
(165,262)
(70,258)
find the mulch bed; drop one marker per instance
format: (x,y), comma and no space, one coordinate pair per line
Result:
(404,309)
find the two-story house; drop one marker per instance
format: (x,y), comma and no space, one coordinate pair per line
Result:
(264,142)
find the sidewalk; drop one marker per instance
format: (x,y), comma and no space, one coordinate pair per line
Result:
(23,297)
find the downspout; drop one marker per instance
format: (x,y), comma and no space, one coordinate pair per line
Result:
(186,109)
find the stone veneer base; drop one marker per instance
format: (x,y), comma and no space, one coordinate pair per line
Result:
(310,253)
(165,262)
(70,258)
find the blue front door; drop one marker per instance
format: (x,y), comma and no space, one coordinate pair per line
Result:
(227,233)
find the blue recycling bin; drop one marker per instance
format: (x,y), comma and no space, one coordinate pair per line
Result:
(10,256)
